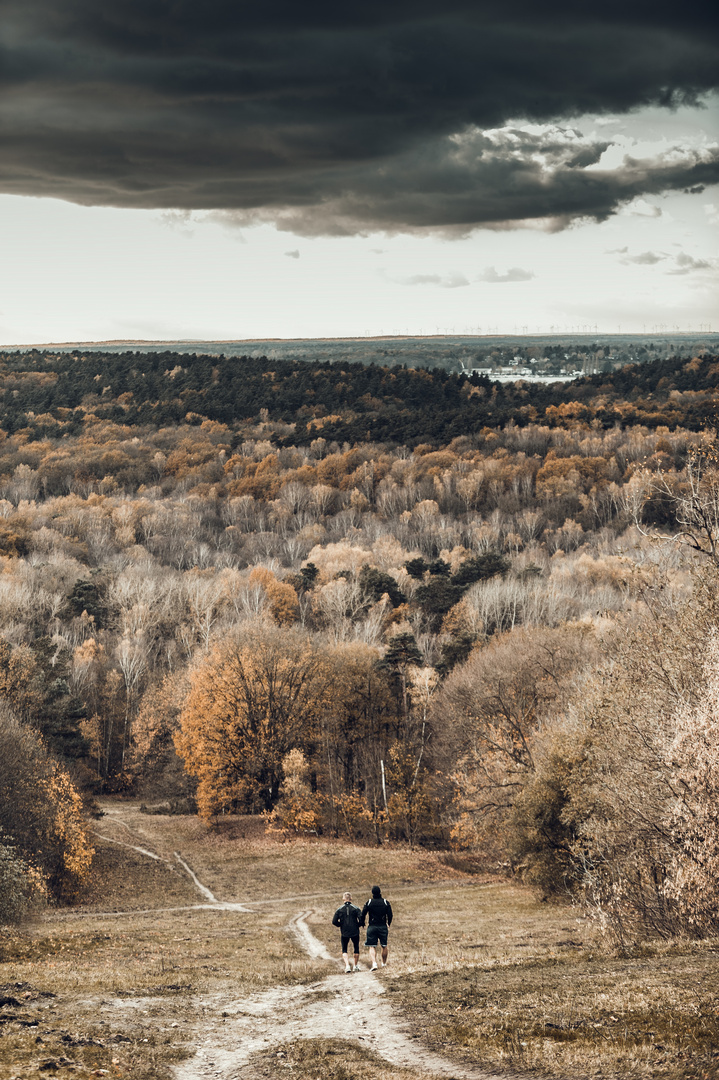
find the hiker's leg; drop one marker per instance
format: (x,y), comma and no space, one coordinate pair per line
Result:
(355,946)
(385,953)
(373,955)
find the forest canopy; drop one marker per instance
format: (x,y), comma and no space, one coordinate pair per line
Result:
(52,394)
(394,605)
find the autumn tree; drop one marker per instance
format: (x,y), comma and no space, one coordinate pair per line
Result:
(281,596)
(21,884)
(644,785)
(298,810)
(152,761)
(35,683)
(690,502)
(360,722)
(693,821)
(411,807)
(252,699)
(41,817)
(489,711)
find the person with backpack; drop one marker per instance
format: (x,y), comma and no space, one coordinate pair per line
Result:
(378,912)
(348,919)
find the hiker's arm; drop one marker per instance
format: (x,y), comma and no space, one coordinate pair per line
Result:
(389,914)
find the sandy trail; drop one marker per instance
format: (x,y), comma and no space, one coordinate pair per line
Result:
(211,899)
(352,1007)
(132,847)
(339,1006)
(213,902)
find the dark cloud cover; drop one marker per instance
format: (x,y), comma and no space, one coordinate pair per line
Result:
(342,119)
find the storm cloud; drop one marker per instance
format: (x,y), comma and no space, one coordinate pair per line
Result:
(335,119)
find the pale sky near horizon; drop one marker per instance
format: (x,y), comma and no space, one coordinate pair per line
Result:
(607,220)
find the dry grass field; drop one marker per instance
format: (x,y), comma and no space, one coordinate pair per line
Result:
(126,983)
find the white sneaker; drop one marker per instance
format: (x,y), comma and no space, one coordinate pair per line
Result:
(384,963)
(348,969)
(356,967)
(373,968)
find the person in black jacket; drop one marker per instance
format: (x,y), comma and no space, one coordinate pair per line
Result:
(378,912)
(348,918)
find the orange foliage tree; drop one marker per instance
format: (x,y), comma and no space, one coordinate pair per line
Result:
(297,811)
(251,700)
(282,598)
(41,817)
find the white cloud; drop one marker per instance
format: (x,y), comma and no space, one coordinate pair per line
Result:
(647,258)
(516,273)
(642,208)
(448,281)
(686,264)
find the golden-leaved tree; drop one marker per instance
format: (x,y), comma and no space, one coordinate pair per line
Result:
(252,699)
(297,811)
(41,819)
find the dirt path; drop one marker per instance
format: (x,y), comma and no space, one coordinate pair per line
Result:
(352,1007)
(212,901)
(339,1006)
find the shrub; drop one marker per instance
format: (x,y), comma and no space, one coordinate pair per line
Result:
(298,810)
(21,886)
(40,811)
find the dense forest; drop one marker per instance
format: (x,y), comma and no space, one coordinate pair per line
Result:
(397,605)
(51,395)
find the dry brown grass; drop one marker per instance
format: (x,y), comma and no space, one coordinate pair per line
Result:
(485,973)
(490,975)
(238,861)
(330,1059)
(649,1017)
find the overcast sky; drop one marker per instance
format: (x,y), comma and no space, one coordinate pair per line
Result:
(273,169)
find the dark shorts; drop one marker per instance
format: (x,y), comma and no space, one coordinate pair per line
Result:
(346,940)
(376,935)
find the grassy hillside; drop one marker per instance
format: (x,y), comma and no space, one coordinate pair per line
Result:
(136,978)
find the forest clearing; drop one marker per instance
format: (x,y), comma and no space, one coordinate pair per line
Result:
(149,978)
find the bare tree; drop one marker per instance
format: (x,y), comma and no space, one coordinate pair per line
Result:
(132,658)
(693,501)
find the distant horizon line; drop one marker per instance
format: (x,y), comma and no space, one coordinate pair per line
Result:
(363,337)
